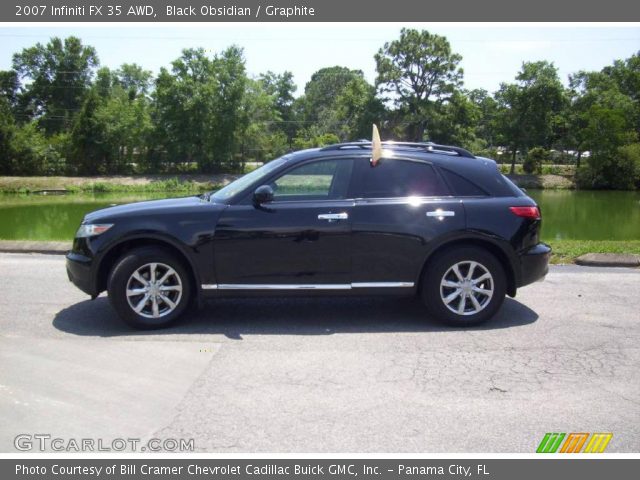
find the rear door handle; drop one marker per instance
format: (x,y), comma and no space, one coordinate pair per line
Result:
(441,213)
(332,217)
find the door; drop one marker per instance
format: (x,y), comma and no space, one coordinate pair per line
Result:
(300,240)
(401,206)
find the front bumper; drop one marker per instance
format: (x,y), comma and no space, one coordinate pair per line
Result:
(80,273)
(534,264)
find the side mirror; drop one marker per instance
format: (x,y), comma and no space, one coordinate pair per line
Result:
(263,194)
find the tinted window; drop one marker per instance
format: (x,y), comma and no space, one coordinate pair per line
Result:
(322,179)
(400,178)
(461,186)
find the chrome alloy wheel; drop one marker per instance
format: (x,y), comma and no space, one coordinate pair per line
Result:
(466,288)
(154,290)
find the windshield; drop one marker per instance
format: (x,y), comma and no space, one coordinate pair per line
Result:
(243,182)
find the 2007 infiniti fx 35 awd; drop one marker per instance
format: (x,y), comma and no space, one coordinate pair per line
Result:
(423,219)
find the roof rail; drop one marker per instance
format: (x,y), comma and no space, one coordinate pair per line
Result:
(428,146)
(356,144)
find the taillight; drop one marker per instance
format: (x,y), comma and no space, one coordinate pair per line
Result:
(526,212)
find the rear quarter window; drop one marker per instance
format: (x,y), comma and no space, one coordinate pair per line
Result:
(517,192)
(460,186)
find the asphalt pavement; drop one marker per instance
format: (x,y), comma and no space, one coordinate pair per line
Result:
(325,374)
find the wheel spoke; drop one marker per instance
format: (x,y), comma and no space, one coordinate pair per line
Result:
(136,291)
(168,301)
(141,304)
(456,270)
(154,306)
(152,272)
(482,291)
(450,284)
(140,278)
(483,277)
(472,267)
(451,297)
(462,304)
(166,276)
(475,302)
(171,288)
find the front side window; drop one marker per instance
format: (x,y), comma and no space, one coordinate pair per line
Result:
(243,182)
(319,180)
(392,178)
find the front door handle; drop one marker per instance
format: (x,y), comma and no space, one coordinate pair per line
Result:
(332,217)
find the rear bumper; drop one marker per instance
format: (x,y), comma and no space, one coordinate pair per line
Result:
(80,273)
(534,264)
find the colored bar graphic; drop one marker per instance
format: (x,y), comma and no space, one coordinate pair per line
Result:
(550,443)
(574,443)
(598,442)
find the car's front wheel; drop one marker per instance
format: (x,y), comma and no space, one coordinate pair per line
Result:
(464,286)
(149,288)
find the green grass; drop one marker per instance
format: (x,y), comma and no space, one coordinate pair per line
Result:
(33,184)
(171,185)
(566,251)
(547,169)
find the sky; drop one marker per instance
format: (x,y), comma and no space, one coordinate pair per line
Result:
(491,53)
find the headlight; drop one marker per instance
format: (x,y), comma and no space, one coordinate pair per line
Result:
(91,230)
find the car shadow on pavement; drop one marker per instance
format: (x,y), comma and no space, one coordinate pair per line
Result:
(234,318)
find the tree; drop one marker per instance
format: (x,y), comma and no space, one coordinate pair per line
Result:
(338,101)
(626,75)
(198,108)
(261,137)
(594,100)
(7,131)
(528,110)
(421,73)
(9,85)
(281,88)
(485,124)
(59,74)
(134,80)
(456,123)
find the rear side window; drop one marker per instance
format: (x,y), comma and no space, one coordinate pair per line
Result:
(400,178)
(461,186)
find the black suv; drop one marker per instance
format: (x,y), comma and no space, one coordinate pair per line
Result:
(425,219)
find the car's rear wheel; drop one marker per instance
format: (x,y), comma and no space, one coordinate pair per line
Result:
(464,286)
(149,288)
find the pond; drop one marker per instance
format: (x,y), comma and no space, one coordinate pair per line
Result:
(576,215)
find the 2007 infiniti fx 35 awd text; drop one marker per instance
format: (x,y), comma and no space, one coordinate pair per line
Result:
(423,219)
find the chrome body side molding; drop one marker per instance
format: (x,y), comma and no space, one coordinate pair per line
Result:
(306,286)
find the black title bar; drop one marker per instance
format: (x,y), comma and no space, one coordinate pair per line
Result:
(319,11)
(318,469)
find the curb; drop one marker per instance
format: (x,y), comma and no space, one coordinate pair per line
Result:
(608,260)
(28,246)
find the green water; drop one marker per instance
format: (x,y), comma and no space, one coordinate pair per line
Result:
(53,217)
(583,215)
(588,215)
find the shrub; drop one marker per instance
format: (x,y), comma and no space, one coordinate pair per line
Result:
(534,160)
(617,171)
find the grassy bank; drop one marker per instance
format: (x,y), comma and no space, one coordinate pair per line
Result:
(116,184)
(197,183)
(566,251)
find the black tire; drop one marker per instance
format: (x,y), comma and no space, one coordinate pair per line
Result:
(120,278)
(434,294)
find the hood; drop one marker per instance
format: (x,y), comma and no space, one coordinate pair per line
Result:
(150,207)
